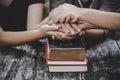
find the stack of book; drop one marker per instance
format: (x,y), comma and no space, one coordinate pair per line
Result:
(66,56)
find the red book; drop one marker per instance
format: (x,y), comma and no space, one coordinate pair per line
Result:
(65,65)
(63,62)
(70,63)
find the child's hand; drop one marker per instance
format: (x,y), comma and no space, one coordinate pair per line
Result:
(44,29)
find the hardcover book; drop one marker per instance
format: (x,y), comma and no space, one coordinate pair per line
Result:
(65,65)
(66,50)
(67,62)
(67,68)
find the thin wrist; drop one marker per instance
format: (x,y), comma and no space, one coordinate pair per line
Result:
(83,12)
(40,33)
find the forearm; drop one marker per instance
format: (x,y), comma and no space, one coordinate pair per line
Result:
(104,19)
(94,34)
(45,21)
(15,38)
(34,16)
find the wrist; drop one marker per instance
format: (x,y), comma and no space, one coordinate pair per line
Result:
(83,12)
(40,33)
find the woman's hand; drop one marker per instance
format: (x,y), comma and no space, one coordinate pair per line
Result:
(65,13)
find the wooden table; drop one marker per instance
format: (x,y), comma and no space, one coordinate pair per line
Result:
(27,62)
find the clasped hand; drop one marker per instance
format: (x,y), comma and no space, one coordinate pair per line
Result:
(66,16)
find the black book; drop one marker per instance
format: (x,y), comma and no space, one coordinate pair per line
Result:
(66,50)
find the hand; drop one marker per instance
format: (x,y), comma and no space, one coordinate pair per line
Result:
(73,29)
(45,29)
(68,28)
(67,31)
(65,13)
(61,36)
(85,26)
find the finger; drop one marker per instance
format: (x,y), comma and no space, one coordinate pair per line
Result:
(68,37)
(82,33)
(61,35)
(58,18)
(68,18)
(50,22)
(53,37)
(51,33)
(74,20)
(63,19)
(59,26)
(53,27)
(82,26)
(76,28)
(54,34)
(69,28)
(64,29)
(57,37)
(60,30)
(79,22)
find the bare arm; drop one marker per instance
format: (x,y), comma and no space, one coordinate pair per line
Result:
(15,38)
(34,17)
(5,3)
(71,13)
(104,19)
(94,34)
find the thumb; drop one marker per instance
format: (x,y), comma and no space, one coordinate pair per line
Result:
(82,27)
(51,33)
(52,28)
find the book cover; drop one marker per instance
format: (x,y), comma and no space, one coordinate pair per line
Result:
(65,65)
(66,50)
(67,68)
(65,62)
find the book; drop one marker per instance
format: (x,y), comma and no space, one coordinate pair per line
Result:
(67,68)
(67,62)
(65,65)
(66,50)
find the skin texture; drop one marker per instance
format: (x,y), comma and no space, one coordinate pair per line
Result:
(37,29)
(15,38)
(71,13)
(32,20)
(70,26)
